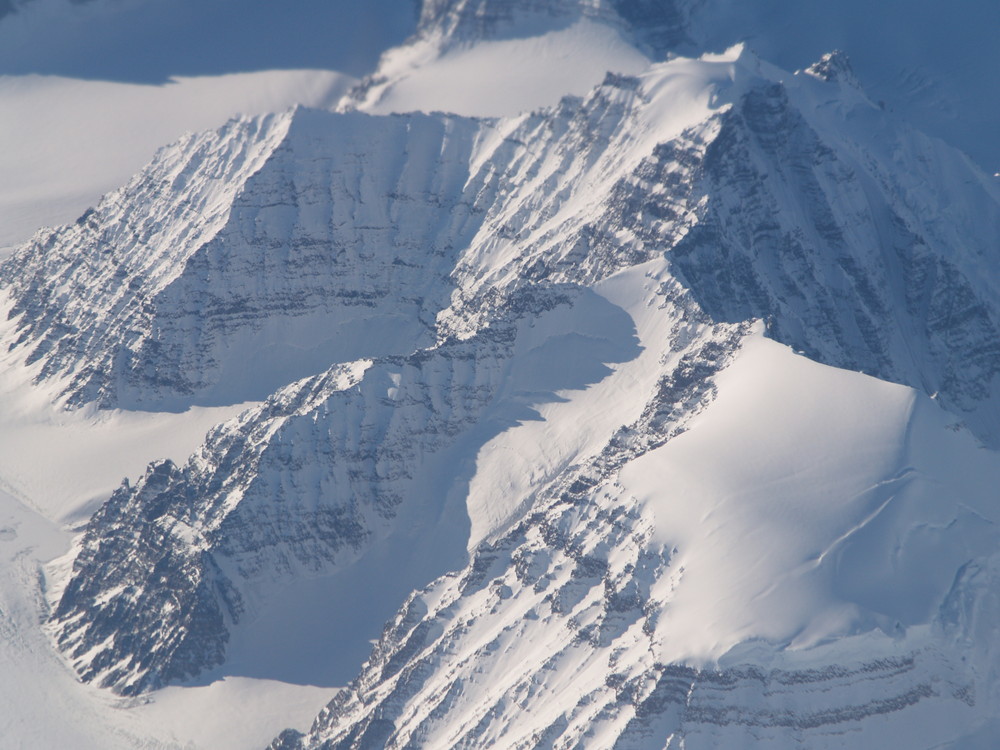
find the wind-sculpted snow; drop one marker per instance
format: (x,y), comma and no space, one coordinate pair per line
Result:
(577,614)
(615,485)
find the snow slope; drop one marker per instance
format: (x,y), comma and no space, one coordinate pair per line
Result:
(306,222)
(614,618)
(530,432)
(89,90)
(935,68)
(45,706)
(71,141)
(502,76)
(645,524)
(64,464)
(790,527)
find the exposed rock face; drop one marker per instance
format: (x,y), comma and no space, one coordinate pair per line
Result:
(296,487)
(292,487)
(658,26)
(563,626)
(244,259)
(852,280)
(549,636)
(623,245)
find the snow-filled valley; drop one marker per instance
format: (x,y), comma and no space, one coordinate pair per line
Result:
(562,375)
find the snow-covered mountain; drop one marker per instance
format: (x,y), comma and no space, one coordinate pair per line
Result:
(754,582)
(490,58)
(89,90)
(500,57)
(529,406)
(655,407)
(291,241)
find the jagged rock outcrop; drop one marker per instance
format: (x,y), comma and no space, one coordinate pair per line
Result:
(872,287)
(551,635)
(677,207)
(658,26)
(548,622)
(296,487)
(243,259)
(284,262)
(556,632)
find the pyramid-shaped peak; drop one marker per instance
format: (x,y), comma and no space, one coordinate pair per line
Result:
(834,66)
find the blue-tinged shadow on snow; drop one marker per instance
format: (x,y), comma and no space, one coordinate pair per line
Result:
(319,631)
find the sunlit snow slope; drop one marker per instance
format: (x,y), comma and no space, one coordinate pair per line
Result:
(586,353)
(89,90)
(662,392)
(813,515)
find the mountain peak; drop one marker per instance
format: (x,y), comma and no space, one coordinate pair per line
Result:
(834,66)
(657,26)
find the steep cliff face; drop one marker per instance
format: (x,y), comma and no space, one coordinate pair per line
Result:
(771,552)
(586,390)
(244,259)
(651,401)
(863,273)
(298,485)
(305,484)
(633,608)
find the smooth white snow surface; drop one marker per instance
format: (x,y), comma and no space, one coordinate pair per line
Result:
(44,706)
(503,77)
(576,423)
(808,503)
(65,463)
(68,141)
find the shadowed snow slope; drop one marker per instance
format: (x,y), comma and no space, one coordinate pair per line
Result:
(524,358)
(259,252)
(813,515)
(45,706)
(630,485)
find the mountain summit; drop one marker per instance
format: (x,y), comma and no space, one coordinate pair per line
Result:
(572,423)
(580,393)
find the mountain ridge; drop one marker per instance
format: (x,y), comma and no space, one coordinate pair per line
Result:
(668,407)
(683,184)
